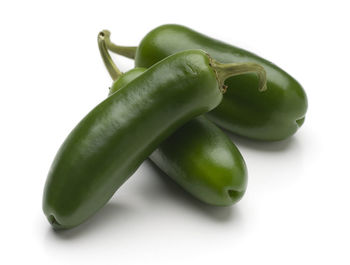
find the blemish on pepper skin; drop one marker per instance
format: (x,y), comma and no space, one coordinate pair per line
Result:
(233,194)
(300,122)
(52,220)
(191,69)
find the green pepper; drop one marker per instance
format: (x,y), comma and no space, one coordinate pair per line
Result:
(198,156)
(113,139)
(273,115)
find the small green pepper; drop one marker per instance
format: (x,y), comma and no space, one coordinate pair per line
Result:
(198,156)
(111,142)
(273,115)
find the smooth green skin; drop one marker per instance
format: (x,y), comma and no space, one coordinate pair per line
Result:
(199,157)
(274,114)
(125,79)
(112,141)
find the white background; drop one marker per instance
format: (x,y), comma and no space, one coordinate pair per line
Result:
(296,209)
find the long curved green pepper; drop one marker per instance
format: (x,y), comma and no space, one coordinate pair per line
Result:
(272,115)
(113,139)
(198,156)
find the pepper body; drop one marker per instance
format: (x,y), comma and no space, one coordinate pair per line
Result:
(205,162)
(111,142)
(125,79)
(274,114)
(199,157)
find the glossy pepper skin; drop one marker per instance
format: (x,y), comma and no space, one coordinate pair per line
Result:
(111,142)
(199,157)
(272,115)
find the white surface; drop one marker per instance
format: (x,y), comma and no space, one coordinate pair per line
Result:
(296,209)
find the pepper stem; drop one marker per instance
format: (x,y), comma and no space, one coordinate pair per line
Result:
(113,70)
(225,71)
(125,51)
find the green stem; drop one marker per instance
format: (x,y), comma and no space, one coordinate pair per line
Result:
(225,71)
(121,50)
(110,65)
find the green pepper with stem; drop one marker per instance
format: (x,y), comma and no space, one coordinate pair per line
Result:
(272,115)
(112,140)
(198,156)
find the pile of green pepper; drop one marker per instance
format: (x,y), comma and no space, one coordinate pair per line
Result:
(167,108)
